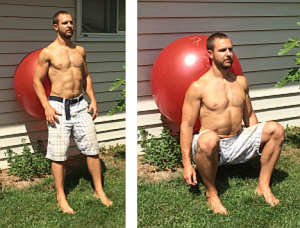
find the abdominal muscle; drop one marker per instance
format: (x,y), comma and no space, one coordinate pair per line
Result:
(66,83)
(226,123)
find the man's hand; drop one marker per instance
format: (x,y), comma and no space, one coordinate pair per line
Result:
(189,175)
(50,115)
(93,106)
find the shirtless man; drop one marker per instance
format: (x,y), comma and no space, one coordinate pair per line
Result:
(66,111)
(221,101)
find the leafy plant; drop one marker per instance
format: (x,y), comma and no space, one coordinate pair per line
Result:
(118,151)
(121,104)
(293,73)
(292,135)
(28,165)
(163,151)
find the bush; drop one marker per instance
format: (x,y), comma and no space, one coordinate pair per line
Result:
(28,165)
(118,151)
(293,74)
(292,135)
(163,151)
(121,104)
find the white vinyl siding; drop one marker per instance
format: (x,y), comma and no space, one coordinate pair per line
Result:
(258,29)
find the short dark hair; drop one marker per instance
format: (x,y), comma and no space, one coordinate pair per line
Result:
(210,41)
(56,16)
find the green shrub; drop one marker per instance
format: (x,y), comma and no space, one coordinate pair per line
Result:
(292,135)
(293,74)
(121,104)
(118,151)
(28,165)
(163,151)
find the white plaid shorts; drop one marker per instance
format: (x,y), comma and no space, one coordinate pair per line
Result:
(81,125)
(237,149)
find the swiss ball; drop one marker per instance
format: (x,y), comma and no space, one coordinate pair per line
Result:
(177,66)
(23,86)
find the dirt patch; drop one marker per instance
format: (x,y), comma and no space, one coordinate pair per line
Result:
(71,164)
(151,173)
(112,160)
(292,152)
(15,182)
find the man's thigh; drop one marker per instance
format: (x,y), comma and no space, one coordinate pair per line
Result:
(59,140)
(85,136)
(243,146)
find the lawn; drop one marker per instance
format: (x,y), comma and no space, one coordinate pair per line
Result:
(36,206)
(174,204)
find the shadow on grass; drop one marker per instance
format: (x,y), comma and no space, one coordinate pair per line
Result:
(120,154)
(245,171)
(81,171)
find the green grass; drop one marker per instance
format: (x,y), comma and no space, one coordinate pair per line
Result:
(174,204)
(36,206)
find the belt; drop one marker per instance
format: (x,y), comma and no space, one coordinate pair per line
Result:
(68,102)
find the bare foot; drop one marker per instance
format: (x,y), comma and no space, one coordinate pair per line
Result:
(267,194)
(104,199)
(64,206)
(216,205)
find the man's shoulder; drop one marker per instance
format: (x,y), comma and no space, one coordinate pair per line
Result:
(201,82)
(80,49)
(51,46)
(197,87)
(243,81)
(46,52)
(49,49)
(241,78)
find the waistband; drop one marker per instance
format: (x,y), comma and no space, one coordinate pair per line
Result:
(67,102)
(228,138)
(233,137)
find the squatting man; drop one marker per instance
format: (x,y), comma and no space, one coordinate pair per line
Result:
(221,101)
(66,110)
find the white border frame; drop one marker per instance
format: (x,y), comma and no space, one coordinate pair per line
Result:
(120,36)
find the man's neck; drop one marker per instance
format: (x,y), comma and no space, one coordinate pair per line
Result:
(63,41)
(220,72)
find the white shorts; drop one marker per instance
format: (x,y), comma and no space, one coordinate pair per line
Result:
(237,149)
(81,125)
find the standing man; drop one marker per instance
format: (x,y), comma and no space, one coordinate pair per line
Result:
(66,111)
(221,101)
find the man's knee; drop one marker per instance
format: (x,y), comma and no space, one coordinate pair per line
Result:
(208,143)
(275,130)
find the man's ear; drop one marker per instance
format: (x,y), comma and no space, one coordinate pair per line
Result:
(55,27)
(210,54)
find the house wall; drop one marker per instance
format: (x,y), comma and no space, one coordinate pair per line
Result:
(258,29)
(26,26)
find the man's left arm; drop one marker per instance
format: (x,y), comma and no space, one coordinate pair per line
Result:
(249,116)
(88,87)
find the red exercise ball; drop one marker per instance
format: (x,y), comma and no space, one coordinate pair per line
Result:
(23,86)
(177,66)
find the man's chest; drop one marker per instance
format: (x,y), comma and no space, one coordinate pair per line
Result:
(220,96)
(66,59)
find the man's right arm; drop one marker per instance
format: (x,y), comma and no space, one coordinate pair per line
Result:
(190,112)
(40,73)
